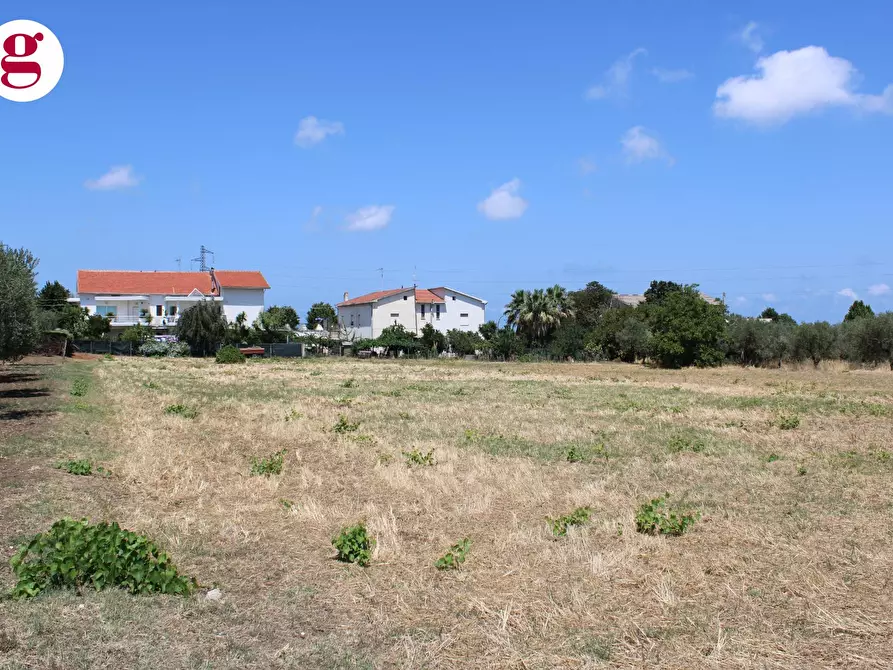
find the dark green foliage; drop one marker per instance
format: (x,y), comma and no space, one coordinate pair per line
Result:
(345,426)
(432,340)
(354,545)
(658,290)
(535,314)
(868,339)
(137,334)
(321,313)
(271,465)
(455,556)
(97,326)
(77,554)
(238,332)
(814,341)
(79,387)
(656,517)
(83,467)
(229,354)
(578,517)
(772,458)
(772,314)
(181,410)
(463,342)
(567,341)
(396,339)
(505,344)
(488,330)
(590,303)
(686,329)
(18,303)
(280,317)
(575,455)
(858,310)
(202,327)
(53,297)
(416,457)
(274,325)
(754,342)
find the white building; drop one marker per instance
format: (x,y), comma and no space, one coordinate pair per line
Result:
(443,307)
(130,297)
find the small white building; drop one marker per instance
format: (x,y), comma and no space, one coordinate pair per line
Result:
(443,307)
(131,297)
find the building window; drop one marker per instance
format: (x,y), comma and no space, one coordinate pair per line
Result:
(463,316)
(406,297)
(423,311)
(351,320)
(172,310)
(437,311)
(107,310)
(395,315)
(159,310)
(453,297)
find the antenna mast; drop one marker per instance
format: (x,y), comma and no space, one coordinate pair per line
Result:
(380,271)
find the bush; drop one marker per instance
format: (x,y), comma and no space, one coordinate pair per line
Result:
(181,410)
(561,524)
(81,467)
(203,327)
(230,354)
(77,554)
(455,557)
(687,330)
(167,349)
(354,545)
(79,387)
(271,465)
(657,518)
(349,383)
(416,457)
(344,426)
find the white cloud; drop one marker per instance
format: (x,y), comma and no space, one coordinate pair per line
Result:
(878,289)
(373,217)
(789,83)
(848,293)
(586,165)
(616,77)
(316,211)
(504,202)
(750,38)
(769,297)
(671,76)
(120,176)
(740,300)
(639,146)
(313,131)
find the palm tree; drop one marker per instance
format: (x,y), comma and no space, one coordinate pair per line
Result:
(537,313)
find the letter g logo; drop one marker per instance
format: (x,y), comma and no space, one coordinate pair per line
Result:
(32,61)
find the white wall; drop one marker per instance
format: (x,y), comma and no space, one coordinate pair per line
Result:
(248,300)
(451,311)
(395,304)
(361,318)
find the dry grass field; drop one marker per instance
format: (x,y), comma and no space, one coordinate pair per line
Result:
(789,566)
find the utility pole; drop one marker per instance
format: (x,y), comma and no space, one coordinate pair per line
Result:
(179,260)
(203,252)
(381,272)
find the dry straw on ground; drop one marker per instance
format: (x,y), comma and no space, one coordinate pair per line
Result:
(787,568)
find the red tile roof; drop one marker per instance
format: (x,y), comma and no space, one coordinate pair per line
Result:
(115,282)
(240,279)
(421,295)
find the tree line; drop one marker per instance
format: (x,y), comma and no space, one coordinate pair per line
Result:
(674,326)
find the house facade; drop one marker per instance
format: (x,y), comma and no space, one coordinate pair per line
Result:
(157,299)
(443,307)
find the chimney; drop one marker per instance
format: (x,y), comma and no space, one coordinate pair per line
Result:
(346,296)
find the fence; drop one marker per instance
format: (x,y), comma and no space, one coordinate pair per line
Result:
(282,350)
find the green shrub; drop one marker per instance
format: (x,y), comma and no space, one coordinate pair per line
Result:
(657,518)
(455,556)
(287,504)
(679,443)
(575,455)
(354,545)
(181,410)
(561,524)
(416,457)
(78,554)
(156,348)
(81,467)
(271,465)
(344,426)
(349,383)
(229,354)
(788,421)
(79,387)
(772,458)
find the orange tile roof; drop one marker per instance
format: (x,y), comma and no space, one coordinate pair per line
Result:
(421,295)
(241,279)
(118,282)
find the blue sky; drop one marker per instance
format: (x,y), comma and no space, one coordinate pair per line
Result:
(485,146)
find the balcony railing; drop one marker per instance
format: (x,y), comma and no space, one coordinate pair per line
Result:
(134,319)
